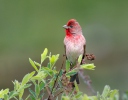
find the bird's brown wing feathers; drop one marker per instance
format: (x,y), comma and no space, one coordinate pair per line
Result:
(65,52)
(84,54)
(84,51)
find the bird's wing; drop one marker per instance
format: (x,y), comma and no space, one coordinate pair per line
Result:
(65,52)
(84,51)
(84,54)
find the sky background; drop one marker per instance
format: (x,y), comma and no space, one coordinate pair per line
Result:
(27,27)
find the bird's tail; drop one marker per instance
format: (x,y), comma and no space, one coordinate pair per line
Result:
(75,77)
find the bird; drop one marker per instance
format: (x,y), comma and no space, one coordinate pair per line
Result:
(74,44)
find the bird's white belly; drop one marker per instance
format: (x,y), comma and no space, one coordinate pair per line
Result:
(74,50)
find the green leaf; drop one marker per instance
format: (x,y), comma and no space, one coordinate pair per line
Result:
(48,65)
(31,74)
(53,59)
(88,66)
(27,97)
(106,91)
(3,92)
(27,77)
(79,59)
(78,94)
(13,94)
(40,76)
(27,85)
(85,97)
(21,94)
(32,98)
(49,71)
(67,65)
(113,93)
(33,64)
(6,97)
(16,85)
(51,83)
(98,95)
(36,63)
(37,77)
(37,90)
(76,87)
(42,85)
(33,93)
(61,72)
(71,73)
(44,55)
(65,98)
(95,98)
(21,88)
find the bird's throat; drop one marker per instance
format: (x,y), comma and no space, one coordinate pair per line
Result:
(68,34)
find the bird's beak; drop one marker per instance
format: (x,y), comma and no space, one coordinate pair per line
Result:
(65,26)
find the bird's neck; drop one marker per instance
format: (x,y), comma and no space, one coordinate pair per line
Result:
(73,37)
(70,35)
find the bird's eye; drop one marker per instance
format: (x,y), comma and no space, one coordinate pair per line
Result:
(71,26)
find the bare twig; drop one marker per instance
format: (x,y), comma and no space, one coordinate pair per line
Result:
(58,94)
(90,57)
(50,95)
(86,80)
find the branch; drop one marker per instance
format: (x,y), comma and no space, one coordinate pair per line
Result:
(86,80)
(48,93)
(58,94)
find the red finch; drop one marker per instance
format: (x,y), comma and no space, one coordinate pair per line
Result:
(74,43)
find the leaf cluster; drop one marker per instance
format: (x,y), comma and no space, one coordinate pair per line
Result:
(51,84)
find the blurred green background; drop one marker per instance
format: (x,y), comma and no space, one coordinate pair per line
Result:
(28,26)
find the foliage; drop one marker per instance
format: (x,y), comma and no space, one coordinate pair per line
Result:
(50,84)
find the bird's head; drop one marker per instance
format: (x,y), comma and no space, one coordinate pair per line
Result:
(72,27)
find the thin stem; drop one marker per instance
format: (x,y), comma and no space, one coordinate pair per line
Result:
(48,92)
(58,94)
(55,81)
(86,81)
